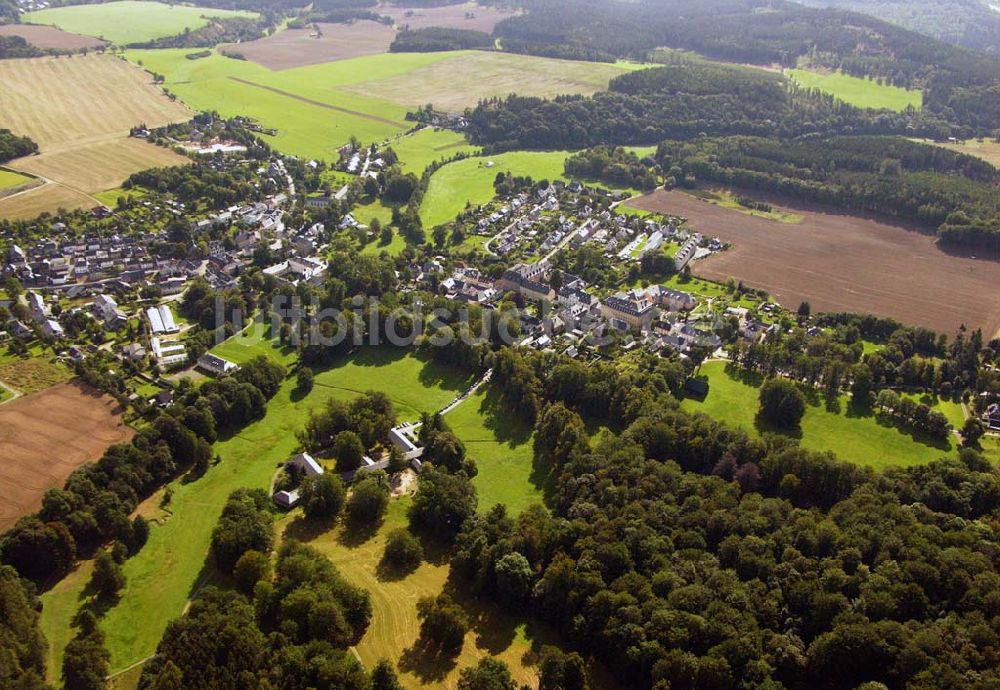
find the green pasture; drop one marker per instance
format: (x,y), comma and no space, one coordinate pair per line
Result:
(421,148)
(864,93)
(9,178)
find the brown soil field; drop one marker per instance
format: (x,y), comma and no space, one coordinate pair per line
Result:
(51,38)
(296,48)
(840,262)
(450,16)
(44,437)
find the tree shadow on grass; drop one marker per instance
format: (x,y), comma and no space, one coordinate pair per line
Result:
(305,529)
(356,533)
(387,571)
(507,427)
(427,663)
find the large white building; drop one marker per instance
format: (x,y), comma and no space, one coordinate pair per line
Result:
(161,320)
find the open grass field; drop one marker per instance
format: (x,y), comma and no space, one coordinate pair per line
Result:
(470,181)
(82,132)
(317,108)
(298,47)
(987,149)
(726,199)
(11,180)
(839,262)
(464,78)
(128,21)
(469,15)
(51,38)
(32,375)
(863,93)
(418,150)
(501,445)
(44,437)
(855,436)
(171,566)
(394,626)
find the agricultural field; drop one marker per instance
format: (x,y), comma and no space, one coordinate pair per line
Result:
(128,21)
(462,79)
(299,47)
(82,132)
(32,375)
(864,93)
(726,199)
(317,108)
(854,435)
(986,149)
(470,181)
(469,16)
(51,38)
(840,262)
(40,451)
(421,148)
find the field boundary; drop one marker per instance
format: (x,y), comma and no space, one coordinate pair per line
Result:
(320,104)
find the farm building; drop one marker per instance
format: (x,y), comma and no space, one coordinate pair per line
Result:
(306,464)
(168,353)
(286,499)
(216,365)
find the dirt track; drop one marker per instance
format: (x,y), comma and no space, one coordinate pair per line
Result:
(44,437)
(839,262)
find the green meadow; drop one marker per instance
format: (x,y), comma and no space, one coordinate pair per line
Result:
(864,93)
(129,21)
(421,148)
(855,436)
(501,445)
(470,181)
(9,178)
(172,565)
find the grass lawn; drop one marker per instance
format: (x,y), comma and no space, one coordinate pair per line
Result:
(59,606)
(471,181)
(129,21)
(857,438)
(9,178)
(394,626)
(418,150)
(366,212)
(864,93)
(949,408)
(253,341)
(171,566)
(501,445)
(110,197)
(394,248)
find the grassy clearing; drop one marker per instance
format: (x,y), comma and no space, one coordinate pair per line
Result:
(855,436)
(110,197)
(171,566)
(987,149)
(864,93)
(59,606)
(9,179)
(726,199)
(129,21)
(470,181)
(32,375)
(394,626)
(418,150)
(501,445)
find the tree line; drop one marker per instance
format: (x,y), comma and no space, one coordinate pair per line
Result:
(13,146)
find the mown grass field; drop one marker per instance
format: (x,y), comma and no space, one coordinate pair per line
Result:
(170,567)
(501,445)
(470,181)
(418,150)
(854,436)
(317,108)
(10,179)
(864,93)
(128,21)
(394,626)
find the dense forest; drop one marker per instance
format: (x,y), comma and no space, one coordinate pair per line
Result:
(434,39)
(951,192)
(22,643)
(615,166)
(13,146)
(968,23)
(680,101)
(959,86)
